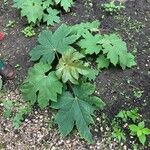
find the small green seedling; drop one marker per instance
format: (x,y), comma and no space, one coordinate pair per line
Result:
(17,66)
(19,116)
(10,24)
(131,114)
(118,134)
(140,131)
(51,123)
(28,31)
(112,7)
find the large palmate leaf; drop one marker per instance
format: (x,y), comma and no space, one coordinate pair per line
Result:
(33,10)
(77,110)
(41,87)
(50,43)
(90,43)
(52,16)
(66,4)
(116,51)
(70,66)
(83,28)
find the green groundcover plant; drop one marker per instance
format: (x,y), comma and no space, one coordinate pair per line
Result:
(28,31)
(61,77)
(113,7)
(119,123)
(140,131)
(127,123)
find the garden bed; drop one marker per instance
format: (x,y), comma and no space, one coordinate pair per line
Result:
(118,88)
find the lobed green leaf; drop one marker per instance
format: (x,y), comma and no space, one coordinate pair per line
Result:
(39,87)
(52,43)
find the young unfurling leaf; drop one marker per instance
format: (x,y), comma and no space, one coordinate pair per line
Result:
(70,67)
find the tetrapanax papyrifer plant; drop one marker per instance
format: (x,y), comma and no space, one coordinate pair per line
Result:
(45,81)
(61,74)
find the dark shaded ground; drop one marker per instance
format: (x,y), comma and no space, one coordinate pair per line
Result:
(115,86)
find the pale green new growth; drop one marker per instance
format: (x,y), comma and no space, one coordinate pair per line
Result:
(28,31)
(118,134)
(70,67)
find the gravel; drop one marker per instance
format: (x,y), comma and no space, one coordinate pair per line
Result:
(35,134)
